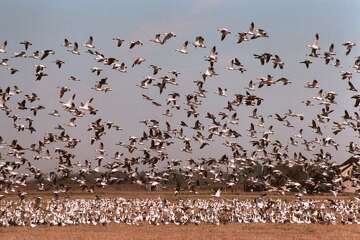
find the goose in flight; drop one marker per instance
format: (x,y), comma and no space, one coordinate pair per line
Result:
(155,68)
(72,123)
(32,97)
(109,61)
(39,68)
(73,78)
(279,118)
(135,43)
(13,70)
(348,45)
(356,65)
(67,43)
(119,41)
(313,84)
(199,42)
(26,44)
(96,70)
(251,86)
(59,63)
(168,36)
(145,83)
(284,81)
(69,103)
(329,55)
(175,73)
(55,113)
(337,63)
(357,100)
(123,68)
(4,62)
(89,43)
(300,134)
(19,54)
(235,64)
(87,105)
(221,91)
(251,31)
(268,80)
(146,97)
(138,61)
(157,39)
(3,47)
(39,75)
(261,33)
(35,55)
(351,87)
(307,62)
(75,49)
(102,85)
(63,90)
(224,32)
(242,37)
(184,48)
(278,62)
(346,75)
(264,58)
(314,46)
(210,71)
(212,58)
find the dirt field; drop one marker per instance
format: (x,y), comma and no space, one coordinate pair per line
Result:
(172,232)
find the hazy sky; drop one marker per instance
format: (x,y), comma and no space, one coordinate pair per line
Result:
(291,26)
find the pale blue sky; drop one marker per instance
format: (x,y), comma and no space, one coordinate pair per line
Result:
(291,25)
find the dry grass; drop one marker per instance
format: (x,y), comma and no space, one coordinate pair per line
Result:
(173,232)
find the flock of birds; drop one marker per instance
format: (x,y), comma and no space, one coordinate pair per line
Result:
(161,211)
(144,159)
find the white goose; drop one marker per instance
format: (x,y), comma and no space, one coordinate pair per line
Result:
(224,32)
(184,48)
(75,50)
(72,123)
(90,43)
(217,194)
(69,103)
(157,39)
(3,47)
(87,105)
(168,36)
(199,42)
(314,46)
